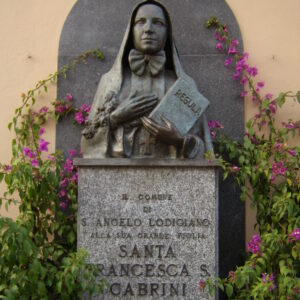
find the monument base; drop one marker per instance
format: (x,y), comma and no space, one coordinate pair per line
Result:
(151,226)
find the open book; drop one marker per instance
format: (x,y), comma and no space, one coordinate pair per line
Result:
(183,105)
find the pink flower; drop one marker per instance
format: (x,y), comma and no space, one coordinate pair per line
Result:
(68,166)
(44,110)
(65,182)
(246,55)
(42,130)
(290,125)
(291,152)
(202,285)
(219,37)
(29,153)
(214,124)
(278,146)
(7,168)
(52,158)
(236,76)
(79,117)
(244,93)
(75,177)
(235,169)
(295,235)
(278,168)
(231,276)
(69,97)
(60,109)
(232,50)
(227,61)
(269,96)
(62,194)
(82,114)
(63,205)
(72,153)
(234,43)
(269,279)
(244,80)
(254,245)
(273,107)
(252,71)
(219,46)
(34,162)
(260,84)
(43,145)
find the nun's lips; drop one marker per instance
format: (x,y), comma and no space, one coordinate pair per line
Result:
(149,39)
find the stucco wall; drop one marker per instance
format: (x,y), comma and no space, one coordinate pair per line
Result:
(30,31)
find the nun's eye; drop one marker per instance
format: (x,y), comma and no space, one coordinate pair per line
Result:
(159,22)
(140,21)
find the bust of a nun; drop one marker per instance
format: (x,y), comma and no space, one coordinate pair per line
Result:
(146,67)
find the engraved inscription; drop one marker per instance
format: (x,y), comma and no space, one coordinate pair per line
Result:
(187,101)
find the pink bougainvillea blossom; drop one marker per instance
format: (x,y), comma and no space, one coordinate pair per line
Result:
(269,279)
(75,177)
(252,71)
(72,153)
(269,96)
(43,145)
(244,94)
(42,130)
(69,97)
(63,205)
(228,61)
(235,168)
(68,166)
(7,168)
(82,114)
(292,152)
(202,285)
(219,37)
(232,50)
(254,245)
(44,110)
(62,194)
(231,276)
(273,107)
(219,46)
(34,162)
(29,153)
(289,125)
(295,235)
(234,43)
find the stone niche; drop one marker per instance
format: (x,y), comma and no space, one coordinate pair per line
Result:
(100,24)
(151,227)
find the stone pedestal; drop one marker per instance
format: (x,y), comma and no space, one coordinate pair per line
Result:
(150,226)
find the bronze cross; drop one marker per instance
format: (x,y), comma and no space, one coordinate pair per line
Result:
(147,142)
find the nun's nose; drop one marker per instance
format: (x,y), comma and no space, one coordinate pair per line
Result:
(148,27)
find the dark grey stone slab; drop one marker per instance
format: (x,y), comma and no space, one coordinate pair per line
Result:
(151,231)
(101,24)
(144,162)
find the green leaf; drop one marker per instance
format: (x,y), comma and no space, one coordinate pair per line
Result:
(229,290)
(281,99)
(298,96)
(240,282)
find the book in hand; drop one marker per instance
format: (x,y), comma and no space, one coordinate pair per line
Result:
(182,105)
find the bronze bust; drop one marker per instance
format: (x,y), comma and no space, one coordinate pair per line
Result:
(146,105)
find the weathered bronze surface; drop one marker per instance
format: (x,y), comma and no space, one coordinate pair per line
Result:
(146,105)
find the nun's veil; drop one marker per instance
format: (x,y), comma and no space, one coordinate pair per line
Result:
(112,80)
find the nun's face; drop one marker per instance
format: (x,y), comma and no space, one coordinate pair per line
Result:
(150,29)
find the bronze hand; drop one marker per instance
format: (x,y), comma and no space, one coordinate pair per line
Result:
(167,134)
(133,108)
